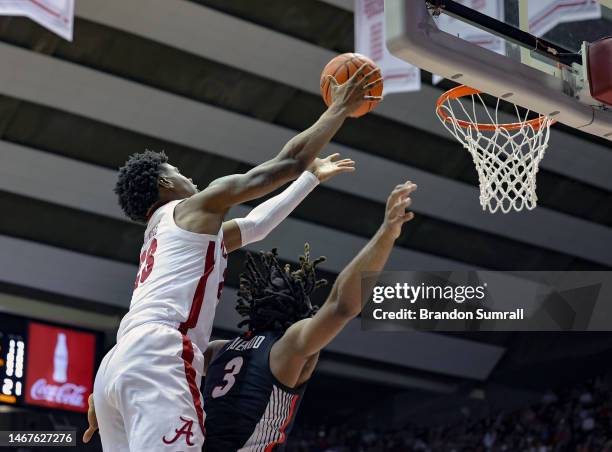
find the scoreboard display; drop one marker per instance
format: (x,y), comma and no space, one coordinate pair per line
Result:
(12,360)
(46,365)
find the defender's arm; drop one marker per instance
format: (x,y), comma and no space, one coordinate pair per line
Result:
(309,336)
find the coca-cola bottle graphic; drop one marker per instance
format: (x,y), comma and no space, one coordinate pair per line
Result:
(60,360)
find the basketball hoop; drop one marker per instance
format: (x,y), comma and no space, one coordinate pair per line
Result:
(507,156)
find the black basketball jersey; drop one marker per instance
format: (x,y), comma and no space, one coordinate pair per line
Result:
(247,408)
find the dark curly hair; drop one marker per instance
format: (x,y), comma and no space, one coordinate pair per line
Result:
(137,183)
(273,298)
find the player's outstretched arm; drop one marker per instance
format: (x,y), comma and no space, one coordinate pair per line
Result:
(269,214)
(307,337)
(296,156)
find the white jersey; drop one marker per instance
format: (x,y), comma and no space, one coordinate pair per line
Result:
(179,280)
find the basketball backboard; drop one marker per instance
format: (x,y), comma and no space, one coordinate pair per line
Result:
(532,52)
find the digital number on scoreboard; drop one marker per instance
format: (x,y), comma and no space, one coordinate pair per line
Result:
(12,366)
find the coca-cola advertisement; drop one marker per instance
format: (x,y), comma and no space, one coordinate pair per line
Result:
(60,366)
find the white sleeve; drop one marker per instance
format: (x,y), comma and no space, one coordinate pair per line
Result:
(265,217)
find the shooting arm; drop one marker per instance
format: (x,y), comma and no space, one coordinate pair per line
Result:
(296,155)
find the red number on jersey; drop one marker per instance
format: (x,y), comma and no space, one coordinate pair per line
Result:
(148,259)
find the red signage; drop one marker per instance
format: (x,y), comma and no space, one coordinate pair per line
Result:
(60,366)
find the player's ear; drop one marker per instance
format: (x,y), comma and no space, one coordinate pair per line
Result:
(165,182)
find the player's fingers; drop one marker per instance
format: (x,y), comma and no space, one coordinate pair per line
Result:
(408,216)
(374,83)
(357,74)
(345,169)
(394,211)
(399,208)
(402,186)
(394,197)
(398,204)
(333,157)
(406,186)
(370,75)
(402,203)
(345,162)
(411,187)
(399,192)
(88,434)
(373,97)
(332,80)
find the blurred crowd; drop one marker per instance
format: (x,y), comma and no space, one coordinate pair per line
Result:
(577,419)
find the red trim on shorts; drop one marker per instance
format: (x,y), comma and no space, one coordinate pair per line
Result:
(198,297)
(283,437)
(190,373)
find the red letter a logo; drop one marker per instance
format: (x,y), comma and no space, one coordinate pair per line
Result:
(184,430)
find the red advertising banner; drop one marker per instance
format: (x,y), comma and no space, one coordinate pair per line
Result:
(59,368)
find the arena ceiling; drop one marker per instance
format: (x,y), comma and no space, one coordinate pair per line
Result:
(220,86)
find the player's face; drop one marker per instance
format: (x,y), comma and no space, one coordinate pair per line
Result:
(181,185)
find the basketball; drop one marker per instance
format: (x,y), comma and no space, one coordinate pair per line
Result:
(342,68)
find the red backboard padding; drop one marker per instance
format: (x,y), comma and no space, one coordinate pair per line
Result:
(599,61)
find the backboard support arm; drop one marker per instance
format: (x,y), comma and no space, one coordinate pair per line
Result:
(412,34)
(505,31)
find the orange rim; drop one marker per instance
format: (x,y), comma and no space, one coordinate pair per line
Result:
(463,91)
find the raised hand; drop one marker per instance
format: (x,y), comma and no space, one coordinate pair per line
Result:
(395,213)
(351,94)
(330,166)
(92,420)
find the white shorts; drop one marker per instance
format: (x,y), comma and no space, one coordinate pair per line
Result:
(147,392)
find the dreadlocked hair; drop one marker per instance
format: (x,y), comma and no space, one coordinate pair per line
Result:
(272,297)
(137,183)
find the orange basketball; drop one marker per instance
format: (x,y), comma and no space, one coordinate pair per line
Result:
(342,68)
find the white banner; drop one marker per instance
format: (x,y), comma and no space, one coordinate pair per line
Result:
(55,15)
(370,41)
(544,15)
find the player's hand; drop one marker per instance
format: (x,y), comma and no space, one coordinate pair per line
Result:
(351,94)
(92,419)
(328,167)
(395,213)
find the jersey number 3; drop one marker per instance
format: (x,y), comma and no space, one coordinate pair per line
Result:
(232,369)
(147,260)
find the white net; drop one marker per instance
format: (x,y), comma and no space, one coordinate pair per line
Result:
(507,156)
